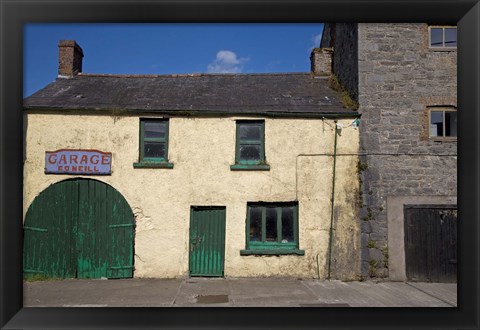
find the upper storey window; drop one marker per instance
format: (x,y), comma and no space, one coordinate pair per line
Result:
(443,124)
(153,144)
(250,146)
(443,37)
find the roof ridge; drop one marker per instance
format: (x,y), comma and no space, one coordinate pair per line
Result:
(110,75)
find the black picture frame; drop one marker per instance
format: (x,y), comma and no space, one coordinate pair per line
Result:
(14,14)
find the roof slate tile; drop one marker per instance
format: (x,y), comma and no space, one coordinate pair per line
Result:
(203,93)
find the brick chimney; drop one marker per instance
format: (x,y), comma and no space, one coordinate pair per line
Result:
(69,58)
(321,61)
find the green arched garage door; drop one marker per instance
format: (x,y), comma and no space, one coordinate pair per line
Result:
(79,228)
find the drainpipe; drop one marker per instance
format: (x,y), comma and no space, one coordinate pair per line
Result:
(330,239)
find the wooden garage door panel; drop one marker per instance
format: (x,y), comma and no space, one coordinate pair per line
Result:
(48,233)
(431,243)
(120,230)
(91,234)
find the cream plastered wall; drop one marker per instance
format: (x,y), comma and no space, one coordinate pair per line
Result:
(299,152)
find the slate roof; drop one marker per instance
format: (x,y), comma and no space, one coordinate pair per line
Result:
(276,94)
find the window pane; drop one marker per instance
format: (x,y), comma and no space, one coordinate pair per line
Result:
(154,150)
(451,37)
(271,225)
(287,224)
(255,224)
(250,132)
(450,123)
(436,123)
(155,129)
(436,37)
(249,152)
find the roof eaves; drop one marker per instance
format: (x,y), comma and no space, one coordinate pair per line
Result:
(255,113)
(208,113)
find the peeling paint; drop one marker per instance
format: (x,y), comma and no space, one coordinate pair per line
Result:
(142,222)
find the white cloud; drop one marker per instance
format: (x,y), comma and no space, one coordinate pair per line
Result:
(226,62)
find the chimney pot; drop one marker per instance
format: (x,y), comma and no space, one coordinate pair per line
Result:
(70,57)
(321,61)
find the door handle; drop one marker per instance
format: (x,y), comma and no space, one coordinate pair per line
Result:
(195,241)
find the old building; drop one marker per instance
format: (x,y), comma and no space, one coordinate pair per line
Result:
(190,175)
(404,78)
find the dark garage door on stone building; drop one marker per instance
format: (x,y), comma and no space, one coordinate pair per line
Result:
(431,243)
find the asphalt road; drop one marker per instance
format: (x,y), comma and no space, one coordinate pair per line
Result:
(236,292)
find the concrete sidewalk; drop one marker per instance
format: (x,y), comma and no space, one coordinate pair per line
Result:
(236,292)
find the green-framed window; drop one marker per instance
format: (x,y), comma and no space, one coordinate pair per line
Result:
(153,143)
(250,145)
(272,228)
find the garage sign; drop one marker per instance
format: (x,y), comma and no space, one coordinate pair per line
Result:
(86,162)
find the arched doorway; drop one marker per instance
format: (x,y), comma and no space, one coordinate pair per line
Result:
(79,228)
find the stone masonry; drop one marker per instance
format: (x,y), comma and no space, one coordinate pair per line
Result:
(343,38)
(399,78)
(321,61)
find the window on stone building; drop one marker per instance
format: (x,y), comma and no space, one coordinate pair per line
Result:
(443,37)
(272,228)
(153,143)
(443,123)
(250,145)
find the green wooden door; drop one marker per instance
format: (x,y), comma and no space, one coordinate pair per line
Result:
(49,240)
(79,228)
(207,241)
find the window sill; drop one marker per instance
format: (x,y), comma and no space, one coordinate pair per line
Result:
(245,167)
(271,252)
(442,49)
(443,139)
(153,165)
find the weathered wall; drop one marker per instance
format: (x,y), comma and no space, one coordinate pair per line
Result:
(399,77)
(345,57)
(202,150)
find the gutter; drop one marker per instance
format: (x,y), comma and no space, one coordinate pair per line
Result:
(206,113)
(258,113)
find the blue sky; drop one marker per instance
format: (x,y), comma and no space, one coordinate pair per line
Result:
(170,48)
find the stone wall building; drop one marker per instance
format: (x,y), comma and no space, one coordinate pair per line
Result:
(404,78)
(189,175)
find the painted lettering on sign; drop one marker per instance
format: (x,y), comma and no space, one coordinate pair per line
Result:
(68,161)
